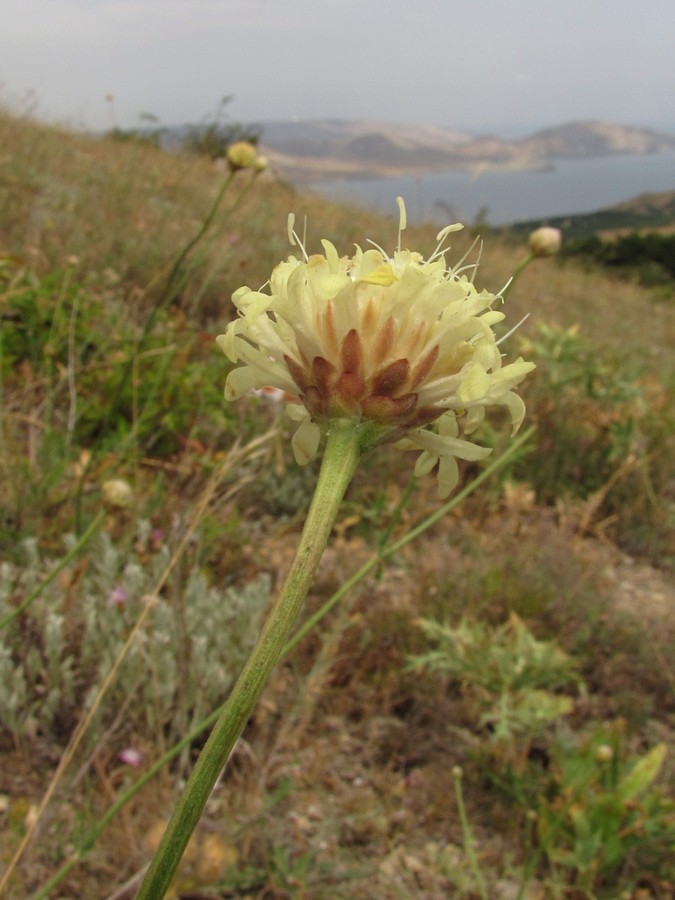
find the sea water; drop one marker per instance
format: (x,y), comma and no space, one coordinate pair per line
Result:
(504,196)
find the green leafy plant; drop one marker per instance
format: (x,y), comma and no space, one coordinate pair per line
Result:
(590,410)
(149,133)
(600,816)
(649,256)
(601,821)
(604,434)
(510,675)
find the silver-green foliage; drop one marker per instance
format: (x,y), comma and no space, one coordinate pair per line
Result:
(179,665)
(513,678)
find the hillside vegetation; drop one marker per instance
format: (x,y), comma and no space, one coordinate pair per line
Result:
(487,711)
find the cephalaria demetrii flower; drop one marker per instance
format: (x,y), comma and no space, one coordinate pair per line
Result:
(402,343)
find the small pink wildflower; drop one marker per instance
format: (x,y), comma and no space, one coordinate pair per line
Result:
(118,597)
(131,757)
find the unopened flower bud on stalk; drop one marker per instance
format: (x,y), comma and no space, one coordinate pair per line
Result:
(244,155)
(604,753)
(117,494)
(545,241)
(402,345)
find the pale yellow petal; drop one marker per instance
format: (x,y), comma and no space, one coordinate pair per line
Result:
(239,381)
(305,442)
(424,464)
(448,476)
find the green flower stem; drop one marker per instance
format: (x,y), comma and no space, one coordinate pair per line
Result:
(59,567)
(517,272)
(411,535)
(346,440)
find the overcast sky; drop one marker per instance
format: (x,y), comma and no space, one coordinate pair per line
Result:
(476,64)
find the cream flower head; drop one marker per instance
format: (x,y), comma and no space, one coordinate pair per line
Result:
(545,241)
(398,342)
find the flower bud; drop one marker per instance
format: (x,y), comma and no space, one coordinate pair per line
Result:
(545,241)
(117,494)
(243,155)
(603,753)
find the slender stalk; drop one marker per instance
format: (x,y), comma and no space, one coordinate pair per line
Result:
(121,801)
(466,831)
(168,293)
(384,554)
(94,525)
(517,272)
(170,290)
(346,439)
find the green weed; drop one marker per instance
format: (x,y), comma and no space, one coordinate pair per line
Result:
(600,821)
(600,818)
(511,676)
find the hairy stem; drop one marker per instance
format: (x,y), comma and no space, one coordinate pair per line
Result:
(345,441)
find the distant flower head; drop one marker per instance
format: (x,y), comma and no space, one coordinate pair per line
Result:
(604,753)
(117,494)
(244,155)
(398,341)
(545,241)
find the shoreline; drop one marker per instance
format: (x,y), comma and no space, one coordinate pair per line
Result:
(307,171)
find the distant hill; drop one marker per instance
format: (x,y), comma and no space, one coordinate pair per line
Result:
(577,140)
(357,139)
(648,211)
(302,151)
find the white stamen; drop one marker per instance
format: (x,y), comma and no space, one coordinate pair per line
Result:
(402,220)
(500,294)
(289,227)
(440,237)
(515,328)
(377,247)
(293,238)
(458,268)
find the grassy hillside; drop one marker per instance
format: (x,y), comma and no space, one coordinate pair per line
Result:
(538,696)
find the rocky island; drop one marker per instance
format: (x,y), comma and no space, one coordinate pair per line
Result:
(305,151)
